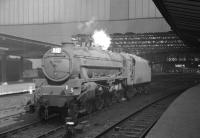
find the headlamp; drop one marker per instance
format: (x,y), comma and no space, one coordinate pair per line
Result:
(70,123)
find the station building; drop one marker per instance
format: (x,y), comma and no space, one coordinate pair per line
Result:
(55,21)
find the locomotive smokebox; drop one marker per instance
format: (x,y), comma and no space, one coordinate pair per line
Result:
(56,64)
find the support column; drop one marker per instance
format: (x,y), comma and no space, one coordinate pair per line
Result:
(21,69)
(3,68)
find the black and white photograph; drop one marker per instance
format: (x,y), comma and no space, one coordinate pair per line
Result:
(99,69)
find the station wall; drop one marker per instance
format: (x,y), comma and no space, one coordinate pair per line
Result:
(56,20)
(59,11)
(14,75)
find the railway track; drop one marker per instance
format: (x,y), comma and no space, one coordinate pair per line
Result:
(9,133)
(9,119)
(145,118)
(139,123)
(35,129)
(135,125)
(38,129)
(142,124)
(9,115)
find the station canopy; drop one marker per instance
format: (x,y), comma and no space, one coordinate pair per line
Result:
(184,18)
(26,48)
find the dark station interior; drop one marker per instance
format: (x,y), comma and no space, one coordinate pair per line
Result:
(57,80)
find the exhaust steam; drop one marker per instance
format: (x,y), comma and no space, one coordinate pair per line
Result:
(100,38)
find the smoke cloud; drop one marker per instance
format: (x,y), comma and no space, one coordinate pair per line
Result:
(87,27)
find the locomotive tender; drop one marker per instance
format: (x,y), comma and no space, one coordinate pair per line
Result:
(84,79)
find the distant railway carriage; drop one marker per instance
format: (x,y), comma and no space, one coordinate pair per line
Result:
(87,79)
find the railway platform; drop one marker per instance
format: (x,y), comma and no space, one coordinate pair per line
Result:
(18,87)
(181,119)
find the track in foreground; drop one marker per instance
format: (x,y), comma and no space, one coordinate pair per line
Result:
(134,126)
(34,129)
(139,123)
(9,133)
